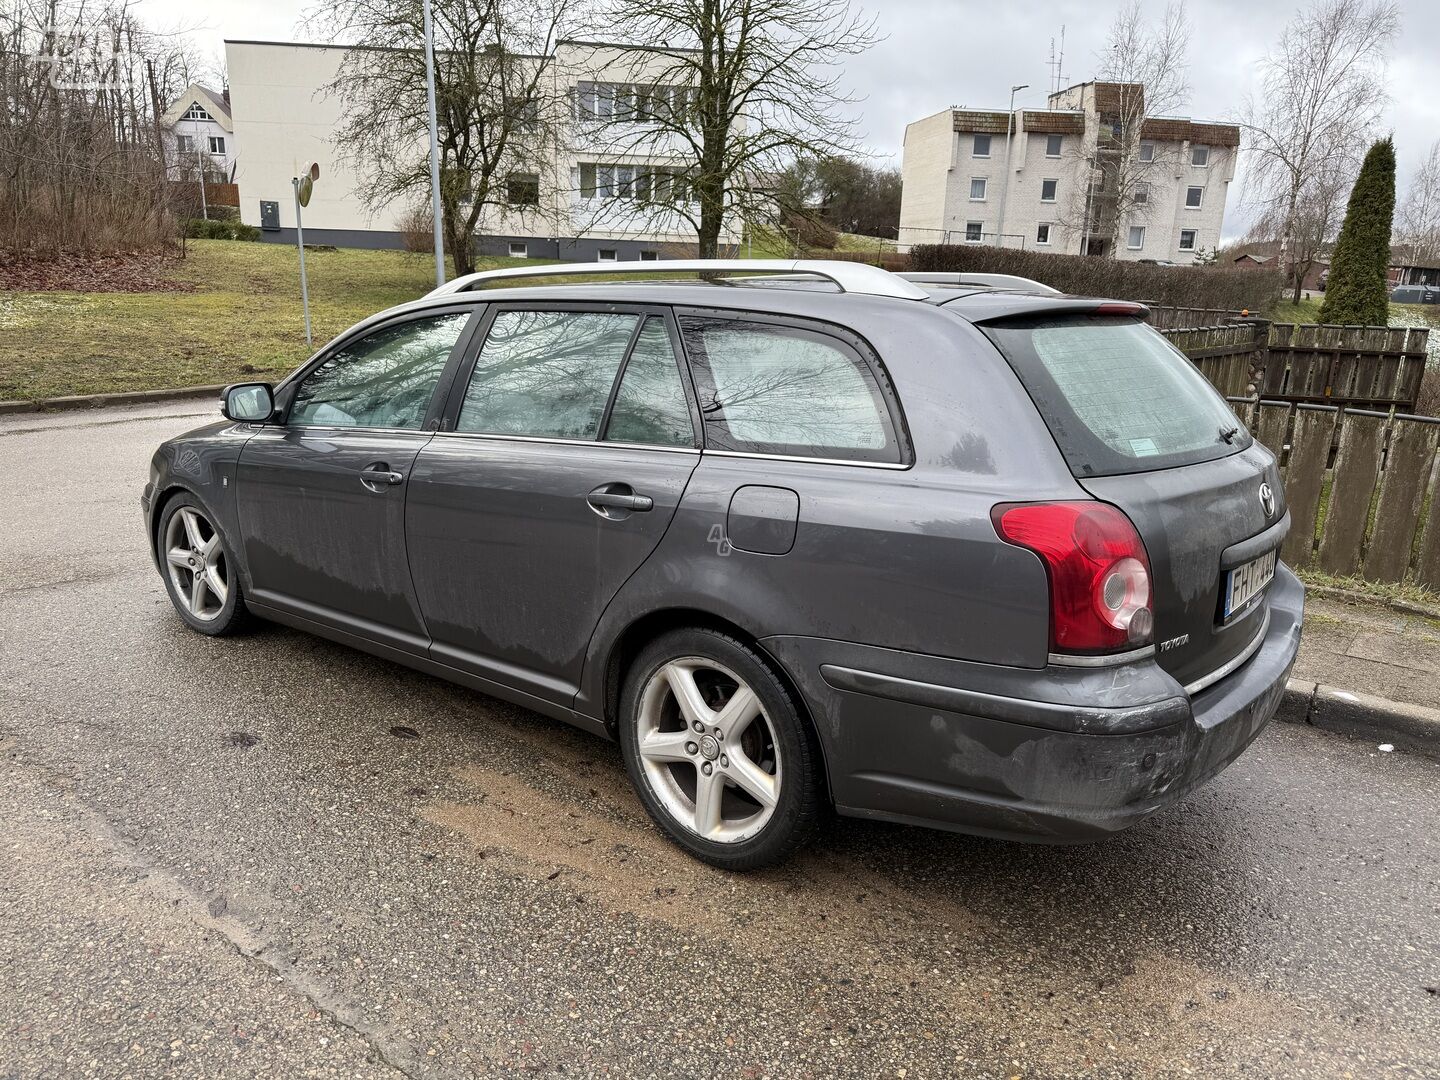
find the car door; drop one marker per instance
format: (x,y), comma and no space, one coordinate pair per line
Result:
(321,494)
(565,448)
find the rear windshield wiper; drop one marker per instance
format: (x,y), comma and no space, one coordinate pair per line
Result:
(1227,435)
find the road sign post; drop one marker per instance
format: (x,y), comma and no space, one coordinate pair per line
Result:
(304,186)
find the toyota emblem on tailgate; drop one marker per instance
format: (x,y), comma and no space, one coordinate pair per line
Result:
(1267,499)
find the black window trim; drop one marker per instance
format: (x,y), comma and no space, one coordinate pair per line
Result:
(285,391)
(867,353)
(460,383)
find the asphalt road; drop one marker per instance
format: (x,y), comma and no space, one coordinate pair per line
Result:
(217,857)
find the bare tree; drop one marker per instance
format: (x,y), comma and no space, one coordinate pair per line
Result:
(81,161)
(493,95)
(735,91)
(1418,219)
(1321,91)
(1143,69)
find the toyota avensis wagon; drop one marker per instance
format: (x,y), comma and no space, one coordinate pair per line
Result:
(985,558)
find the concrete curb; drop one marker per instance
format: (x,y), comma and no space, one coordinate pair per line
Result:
(1412,728)
(100,401)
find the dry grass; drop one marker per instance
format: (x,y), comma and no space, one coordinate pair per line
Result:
(243,320)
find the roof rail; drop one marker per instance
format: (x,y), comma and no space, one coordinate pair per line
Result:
(989,281)
(848,277)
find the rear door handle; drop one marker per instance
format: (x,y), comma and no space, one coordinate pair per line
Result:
(615,500)
(380,475)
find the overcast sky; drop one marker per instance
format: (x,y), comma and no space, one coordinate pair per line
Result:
(938,53)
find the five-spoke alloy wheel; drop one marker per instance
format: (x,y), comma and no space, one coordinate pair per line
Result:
(199,574)
(718,751)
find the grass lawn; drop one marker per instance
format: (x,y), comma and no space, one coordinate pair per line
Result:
(243,320)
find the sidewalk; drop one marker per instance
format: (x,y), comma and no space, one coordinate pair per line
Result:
(1369,649)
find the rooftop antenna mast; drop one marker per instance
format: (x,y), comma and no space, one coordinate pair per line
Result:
(1057,64)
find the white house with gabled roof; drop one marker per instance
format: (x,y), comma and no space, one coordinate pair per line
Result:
(200,134)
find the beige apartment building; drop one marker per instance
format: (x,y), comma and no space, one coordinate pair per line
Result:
(593,195)
(1063,184)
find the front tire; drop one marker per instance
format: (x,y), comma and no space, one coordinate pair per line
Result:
(718,751)
(200,574)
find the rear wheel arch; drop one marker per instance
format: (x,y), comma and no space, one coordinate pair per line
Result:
(631,642)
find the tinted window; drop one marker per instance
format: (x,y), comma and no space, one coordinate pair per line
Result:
(546,373)
(1118,397)
(385,379)
(650,406)
(779,389)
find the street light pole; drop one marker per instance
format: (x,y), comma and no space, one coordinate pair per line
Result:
(200,164)
(434,147)
(1005,187)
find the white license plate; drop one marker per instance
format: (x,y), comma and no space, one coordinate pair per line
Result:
(1244,583)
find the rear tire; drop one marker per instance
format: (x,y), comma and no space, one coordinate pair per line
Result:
(718,751)
(200,574)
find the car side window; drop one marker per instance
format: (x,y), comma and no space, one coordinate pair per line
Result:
(772,388)
(546,373)
(382,380)
(650,405)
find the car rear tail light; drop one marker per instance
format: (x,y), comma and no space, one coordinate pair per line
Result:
(1100,597)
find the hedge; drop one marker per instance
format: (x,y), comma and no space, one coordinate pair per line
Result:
(201,229)
(1228,288)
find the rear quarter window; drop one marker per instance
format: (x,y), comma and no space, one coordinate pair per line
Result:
(1118,398)
(771,387)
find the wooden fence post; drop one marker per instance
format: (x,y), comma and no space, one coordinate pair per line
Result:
(1357,469)
(1397,516)
(1305,478)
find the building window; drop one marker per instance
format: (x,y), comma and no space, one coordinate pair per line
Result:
(974,231)
(643,183)
(632,102)
(1187,239)
(977,189)
(605,255)
(1199,155)
(649,256)
(1042,233)
(982,146)
(1137,237)
(185,144)
(195,112)
(1147,151)
(1194,197)
(519,249)
(522,189)
(1141,195)
(217,144)
(1053,145)
(1047,190)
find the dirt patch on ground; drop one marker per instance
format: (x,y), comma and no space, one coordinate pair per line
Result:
(90,272)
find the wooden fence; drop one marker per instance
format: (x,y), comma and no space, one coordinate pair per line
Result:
(1365,367)
(1164,317)
(1360,486)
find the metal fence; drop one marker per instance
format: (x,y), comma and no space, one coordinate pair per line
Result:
(1360,487)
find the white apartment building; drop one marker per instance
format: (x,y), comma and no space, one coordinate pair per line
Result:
(575,205)
(1054,190)
(200,134)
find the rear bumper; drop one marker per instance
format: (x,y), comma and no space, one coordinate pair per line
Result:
(1051,755)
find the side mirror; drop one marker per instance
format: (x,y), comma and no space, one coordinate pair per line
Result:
(248,402)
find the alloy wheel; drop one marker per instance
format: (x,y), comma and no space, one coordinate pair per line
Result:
(196,561)
(708,751)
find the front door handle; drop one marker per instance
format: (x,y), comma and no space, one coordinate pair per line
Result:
(618,500)
(379,475)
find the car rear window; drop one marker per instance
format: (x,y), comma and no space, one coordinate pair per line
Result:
(1117,397)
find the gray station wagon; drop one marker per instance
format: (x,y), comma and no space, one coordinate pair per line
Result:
(799,536)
